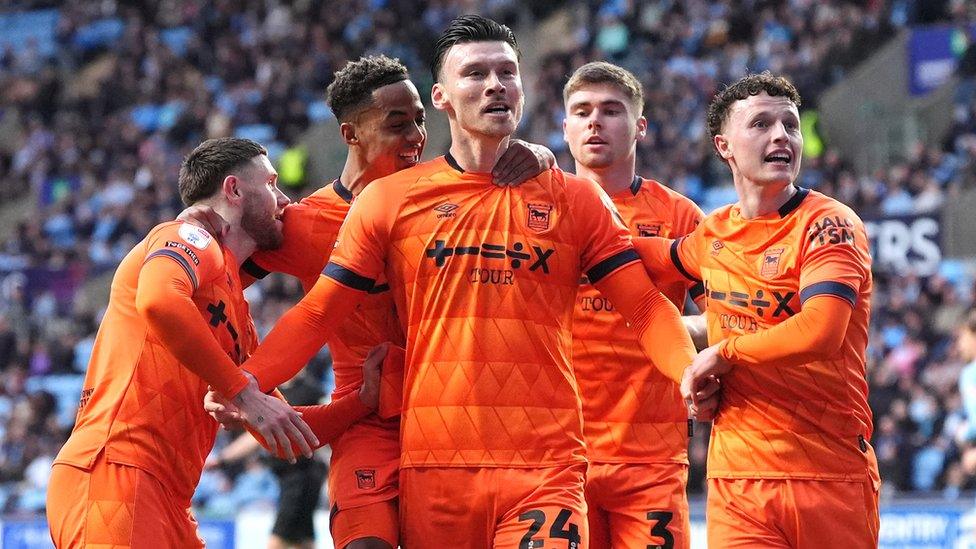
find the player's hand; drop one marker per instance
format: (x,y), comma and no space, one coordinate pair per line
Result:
(708,399)
(700,383)
(520,162)
(278,423)
(226,414)
(205,217)
(369,393)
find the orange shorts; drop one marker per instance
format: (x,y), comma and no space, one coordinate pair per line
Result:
(365,464)
(115,505)
(798,514)
(377,520)
(492,507)
(638,505)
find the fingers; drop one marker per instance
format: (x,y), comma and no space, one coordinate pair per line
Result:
(706,388)
(378,354)
(521,173)
(283,445)
(269,435)
(307,441)
(504,165)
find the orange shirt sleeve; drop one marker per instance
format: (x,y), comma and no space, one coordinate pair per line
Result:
(357,261)
(654,319)
(834,257)
(309,236)
(687,218)
(360,250)
(169,276)
(301,332)
(605,243)
(834,264)
(667,260)
(815,333)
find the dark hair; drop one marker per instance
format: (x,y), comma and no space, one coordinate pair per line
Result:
(470,28)
(204,169)
(752,84)
(353,86)
(601,72)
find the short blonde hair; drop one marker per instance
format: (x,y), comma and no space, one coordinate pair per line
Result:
(601,72)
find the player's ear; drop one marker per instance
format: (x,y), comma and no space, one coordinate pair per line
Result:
(723,146)
(565,137)
(231,188)
(348,132)
(438,98)
(641,127)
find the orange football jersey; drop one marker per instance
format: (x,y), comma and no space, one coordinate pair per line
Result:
(139,404)
(311,227)
(810,421)
(485,279)
(632,413)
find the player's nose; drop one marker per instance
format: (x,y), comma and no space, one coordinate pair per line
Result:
(780,133)
(281,199)
(494,84)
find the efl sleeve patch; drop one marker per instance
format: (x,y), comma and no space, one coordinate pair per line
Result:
(195,236)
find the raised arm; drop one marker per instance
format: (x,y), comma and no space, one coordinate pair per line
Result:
(305,328)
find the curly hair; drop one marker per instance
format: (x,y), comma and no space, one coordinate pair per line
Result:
(353,86)
(752,84)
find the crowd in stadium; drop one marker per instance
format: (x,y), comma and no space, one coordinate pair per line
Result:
(103,100)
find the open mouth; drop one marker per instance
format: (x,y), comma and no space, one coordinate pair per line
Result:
(410,158)
(497,108)
(779,157)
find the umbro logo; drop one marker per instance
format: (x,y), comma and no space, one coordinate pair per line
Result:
(717,246)
(446,209)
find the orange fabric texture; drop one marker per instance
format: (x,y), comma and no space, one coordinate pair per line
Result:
(498,507)
(365,455)
(365,464)
(311,227)
(176,310)
(631,412)
(376,520)
(637,505)
(115,505)
(792,514)
(803,416)
(485,277)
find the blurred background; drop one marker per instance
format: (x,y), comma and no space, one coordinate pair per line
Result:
(99,101)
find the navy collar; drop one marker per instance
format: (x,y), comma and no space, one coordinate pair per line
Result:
(342,191)
(452,162)
(635,185)
(794,202)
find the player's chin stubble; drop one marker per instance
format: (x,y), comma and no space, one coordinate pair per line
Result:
(261,227)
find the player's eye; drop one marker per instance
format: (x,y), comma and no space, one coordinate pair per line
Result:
(760,124)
